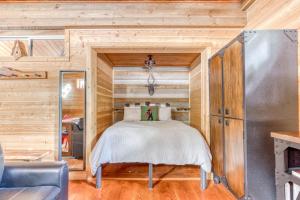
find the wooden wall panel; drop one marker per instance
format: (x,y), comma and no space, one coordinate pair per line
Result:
(199,95)
(104,94)
(35,102)
(129,14)
(195,97)
(179,39)
(29,112)
(173,88)
(6,48)
(54,48)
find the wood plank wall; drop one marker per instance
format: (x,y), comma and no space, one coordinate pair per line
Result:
(124,14)
(29,109)
(173,88)
(199,95)
(104,94)
(195,96)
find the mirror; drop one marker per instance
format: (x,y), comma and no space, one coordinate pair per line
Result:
(72,119)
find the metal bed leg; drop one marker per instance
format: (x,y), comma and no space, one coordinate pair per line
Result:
(99,177)
(203,179)
(150,171)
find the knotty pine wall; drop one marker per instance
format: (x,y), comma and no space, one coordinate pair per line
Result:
(195,97)
(199,95)
(104,94)
(124,14)
(172,87)
(29,108)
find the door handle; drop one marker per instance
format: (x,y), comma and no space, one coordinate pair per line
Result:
(227,122)
(219,111)
(220,121)
(226,111)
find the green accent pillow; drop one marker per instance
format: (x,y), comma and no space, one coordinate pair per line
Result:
(149,113)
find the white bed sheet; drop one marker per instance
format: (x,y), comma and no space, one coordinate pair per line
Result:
(157,142)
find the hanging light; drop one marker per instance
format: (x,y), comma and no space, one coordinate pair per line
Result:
(149,63)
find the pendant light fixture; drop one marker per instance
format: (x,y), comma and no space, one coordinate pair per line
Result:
(149,64)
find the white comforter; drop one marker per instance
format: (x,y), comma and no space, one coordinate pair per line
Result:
(156,142)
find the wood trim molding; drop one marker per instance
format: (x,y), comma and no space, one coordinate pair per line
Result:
(196,62)
(91,111)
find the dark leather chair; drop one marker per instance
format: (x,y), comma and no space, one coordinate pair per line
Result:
(33,181)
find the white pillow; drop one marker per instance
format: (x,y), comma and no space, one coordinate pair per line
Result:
(132,114)
(165,114)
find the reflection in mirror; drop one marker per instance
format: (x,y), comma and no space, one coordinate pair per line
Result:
(72,119)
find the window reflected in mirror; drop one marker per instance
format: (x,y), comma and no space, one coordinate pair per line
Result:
(72,127)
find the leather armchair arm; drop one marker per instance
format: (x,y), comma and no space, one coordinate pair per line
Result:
(37,174)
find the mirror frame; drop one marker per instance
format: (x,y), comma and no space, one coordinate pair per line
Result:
(61,73)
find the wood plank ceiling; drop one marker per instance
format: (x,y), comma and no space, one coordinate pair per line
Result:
(161,59)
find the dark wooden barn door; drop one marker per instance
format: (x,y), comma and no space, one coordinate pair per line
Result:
(234,151)
(215,84)
(233,81)
(217,146)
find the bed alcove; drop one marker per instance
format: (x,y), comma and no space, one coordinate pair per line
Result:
(114,71)
(49,36)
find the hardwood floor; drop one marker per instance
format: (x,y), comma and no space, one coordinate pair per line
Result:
(139,171)
(130,182)
(74,164)
(137,190)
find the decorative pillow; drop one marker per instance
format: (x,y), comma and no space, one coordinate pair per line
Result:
(165,114)
(149,113)
(1,163)
(132,114)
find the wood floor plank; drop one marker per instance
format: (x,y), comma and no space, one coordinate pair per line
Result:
(138,190)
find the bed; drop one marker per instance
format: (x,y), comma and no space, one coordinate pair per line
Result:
(154,142)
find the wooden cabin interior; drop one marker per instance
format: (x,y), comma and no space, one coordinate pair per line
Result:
(126,99)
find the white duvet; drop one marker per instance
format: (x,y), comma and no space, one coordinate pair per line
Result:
(157,142)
